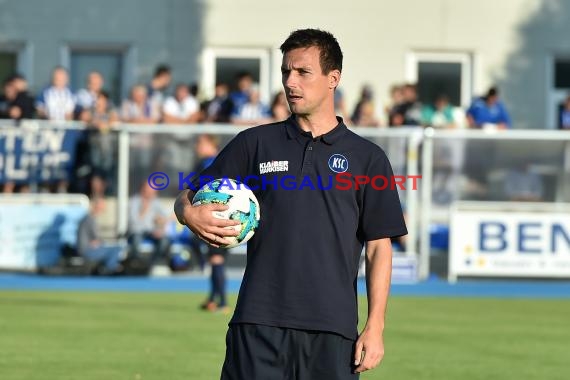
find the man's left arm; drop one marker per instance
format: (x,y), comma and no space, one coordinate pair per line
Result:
(370,344)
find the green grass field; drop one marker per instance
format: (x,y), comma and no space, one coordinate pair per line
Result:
(89,335)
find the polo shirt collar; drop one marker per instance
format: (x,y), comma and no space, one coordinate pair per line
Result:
(294,131)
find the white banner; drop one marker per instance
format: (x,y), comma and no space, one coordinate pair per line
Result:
(509,239)
(34,227)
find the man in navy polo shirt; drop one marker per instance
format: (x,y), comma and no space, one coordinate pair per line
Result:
(296,315)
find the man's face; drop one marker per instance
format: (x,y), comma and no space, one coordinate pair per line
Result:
(165,80)
(60,78)
(95,82)
(306,86)
(182,93)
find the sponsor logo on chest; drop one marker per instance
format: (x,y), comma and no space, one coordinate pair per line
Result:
(273,166)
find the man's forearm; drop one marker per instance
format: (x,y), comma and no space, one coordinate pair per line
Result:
(378,278)
(182,201)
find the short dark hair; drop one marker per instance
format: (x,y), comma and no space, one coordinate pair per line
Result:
(493,91)
(161,69)
(104,94)
(330,53)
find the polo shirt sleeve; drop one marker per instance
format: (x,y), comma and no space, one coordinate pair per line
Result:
(232,162)
(381,213)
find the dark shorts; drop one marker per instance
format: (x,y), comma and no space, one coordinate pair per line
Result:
(257,352)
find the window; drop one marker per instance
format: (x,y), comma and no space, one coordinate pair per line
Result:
(562,74)
(109,64)
(228,68)
(557,87)
(223,64)
(8,64)
(441,74)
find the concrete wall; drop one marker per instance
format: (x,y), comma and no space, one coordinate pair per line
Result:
(510,41)
(151,32)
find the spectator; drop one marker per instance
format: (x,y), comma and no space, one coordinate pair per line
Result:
(240,96)
(280,107)
(254,112)
(139,109)
(340,106)
(56,102)
(86,97)
(220,108)
(396,98)
(102,144)
(523,185)
(158,85)
(91,247)
(147,221)
(7,99)
(363,114)
(182,108)
(409,112)
(565,115)
(194,89)
(24,101)
(440,115)
(15,102)
(488,111)
(206,148)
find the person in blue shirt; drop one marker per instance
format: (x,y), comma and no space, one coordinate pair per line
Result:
(488,110)
(240,96)
(206,148)
(565,115)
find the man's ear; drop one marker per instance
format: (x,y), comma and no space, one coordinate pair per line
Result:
(334,79)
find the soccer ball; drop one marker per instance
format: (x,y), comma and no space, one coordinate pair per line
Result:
(243,206)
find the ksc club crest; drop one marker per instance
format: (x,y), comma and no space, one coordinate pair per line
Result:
(338,163)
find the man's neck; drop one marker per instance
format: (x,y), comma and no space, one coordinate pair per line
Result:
(318,125)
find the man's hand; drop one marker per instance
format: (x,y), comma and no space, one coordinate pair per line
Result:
(369,350)
(202,222)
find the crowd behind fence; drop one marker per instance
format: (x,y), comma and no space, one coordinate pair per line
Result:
(455,165)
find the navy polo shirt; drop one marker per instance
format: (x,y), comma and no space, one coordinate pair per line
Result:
(302,263)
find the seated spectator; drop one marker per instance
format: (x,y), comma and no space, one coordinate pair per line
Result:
(565,115)
(240,96)
(254,112)
(220,108)
(488,112)
(86,97)
(279,107)
(364,112)
(90,245)
(147,222)
(139,109)
(440,115)
(409,111)
(56,102)
(15,102)
(102,143)
(182,108)
(522,185)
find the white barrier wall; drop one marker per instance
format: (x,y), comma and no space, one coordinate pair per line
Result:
(509,240)
(33,227)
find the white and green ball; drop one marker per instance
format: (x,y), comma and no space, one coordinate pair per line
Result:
(243,206)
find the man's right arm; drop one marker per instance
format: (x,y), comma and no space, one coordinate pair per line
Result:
(201,221)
